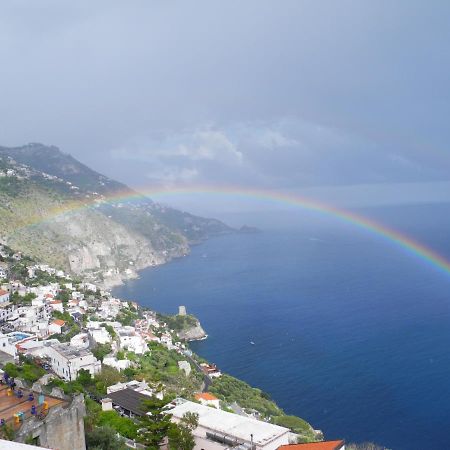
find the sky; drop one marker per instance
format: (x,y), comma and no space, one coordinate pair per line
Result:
(344,100)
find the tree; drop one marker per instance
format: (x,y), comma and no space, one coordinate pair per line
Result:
(84,377)
(101,351)
(180,435)
(104,438)
(109,376)
(155,424)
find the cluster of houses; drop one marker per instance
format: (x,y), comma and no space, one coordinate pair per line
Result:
(36,329)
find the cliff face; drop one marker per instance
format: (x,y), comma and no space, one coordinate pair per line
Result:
(193,333)
(58,211)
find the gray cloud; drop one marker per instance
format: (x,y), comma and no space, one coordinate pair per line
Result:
(262,93)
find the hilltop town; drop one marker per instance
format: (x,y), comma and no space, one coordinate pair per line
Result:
(81,368)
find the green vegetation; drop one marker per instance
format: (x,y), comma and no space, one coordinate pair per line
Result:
(297,425)
(180,435)
(122,425)
(155,425)
(161,365)
(127,316)
(101,350)
(28,371)
(365,446)
(95,386)
(232,390)
(180,323)
(109,329)
(104,438)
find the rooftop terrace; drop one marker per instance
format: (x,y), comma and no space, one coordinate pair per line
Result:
(12,406)
(70,352)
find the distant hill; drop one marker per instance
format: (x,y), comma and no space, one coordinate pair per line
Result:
(56,209)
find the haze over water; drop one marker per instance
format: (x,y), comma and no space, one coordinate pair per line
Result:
(350,332)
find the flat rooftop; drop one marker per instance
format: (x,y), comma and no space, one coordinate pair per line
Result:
(233,425)
(70,352)
(11,445)
(11,404)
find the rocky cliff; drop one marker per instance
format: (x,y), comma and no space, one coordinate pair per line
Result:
(59,211)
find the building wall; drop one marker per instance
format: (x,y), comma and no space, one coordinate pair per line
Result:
(68,369)
(62,429)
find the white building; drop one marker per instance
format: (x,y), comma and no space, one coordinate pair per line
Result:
(6,311)
(100,335)
(57,305)
(67,361)
(118,364)
(11,343)
(80,341)
(219,429)
(207,399)
(129,340)
(56,326)
(4,296)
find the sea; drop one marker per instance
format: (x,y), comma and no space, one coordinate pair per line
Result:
(339,325)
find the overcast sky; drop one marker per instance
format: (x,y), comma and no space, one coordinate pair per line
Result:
(312,96)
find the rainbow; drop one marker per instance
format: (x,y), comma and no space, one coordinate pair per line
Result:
(400,240)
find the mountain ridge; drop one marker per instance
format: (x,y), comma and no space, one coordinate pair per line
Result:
(58,210)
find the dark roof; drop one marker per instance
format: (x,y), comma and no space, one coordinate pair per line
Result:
(129,400)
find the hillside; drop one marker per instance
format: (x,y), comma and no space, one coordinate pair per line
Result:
(57,210)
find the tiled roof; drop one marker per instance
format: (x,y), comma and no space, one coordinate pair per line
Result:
(326,445)
(59,322)
(2,292)
(205,396)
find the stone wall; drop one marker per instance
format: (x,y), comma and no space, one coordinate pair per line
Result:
(63,428)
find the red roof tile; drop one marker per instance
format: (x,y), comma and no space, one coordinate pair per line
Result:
(326,445)
(205,396)
(59,322)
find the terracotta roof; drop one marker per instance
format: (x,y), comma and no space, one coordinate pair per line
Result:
(205,396)
(55,302)
(59,322)
(2,292)
(326,445)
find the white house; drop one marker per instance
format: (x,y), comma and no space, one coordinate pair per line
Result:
(6,311)
(129,340)
(56,326)
(207,399)
(218,429)
(11,343)
(80,341)
(118,364)
(57,305)
(67,361)
(100,335)
(4,296)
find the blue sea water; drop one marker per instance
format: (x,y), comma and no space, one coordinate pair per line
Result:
(350,331)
